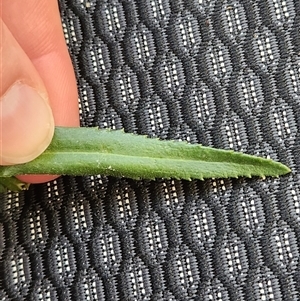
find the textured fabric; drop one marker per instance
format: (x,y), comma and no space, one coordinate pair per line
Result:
(221,73)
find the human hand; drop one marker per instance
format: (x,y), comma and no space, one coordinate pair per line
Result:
(37,83)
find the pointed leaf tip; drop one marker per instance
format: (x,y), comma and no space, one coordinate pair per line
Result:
(88,151)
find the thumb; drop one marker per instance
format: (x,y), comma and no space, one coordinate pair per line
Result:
(26,121)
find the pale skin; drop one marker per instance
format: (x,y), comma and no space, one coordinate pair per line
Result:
(37,83)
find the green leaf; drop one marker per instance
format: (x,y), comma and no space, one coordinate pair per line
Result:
(12,184)
(88,151)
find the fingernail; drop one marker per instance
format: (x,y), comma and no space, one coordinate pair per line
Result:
(26,124)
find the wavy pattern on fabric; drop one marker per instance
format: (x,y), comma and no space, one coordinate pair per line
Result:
(221,73)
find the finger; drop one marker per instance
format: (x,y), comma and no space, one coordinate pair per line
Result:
(36,25)
(26,121)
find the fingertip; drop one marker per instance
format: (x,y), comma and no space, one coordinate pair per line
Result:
(27,124)
(39,32)
(37,179)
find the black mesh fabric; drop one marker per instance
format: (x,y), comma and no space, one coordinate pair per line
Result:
(221,73)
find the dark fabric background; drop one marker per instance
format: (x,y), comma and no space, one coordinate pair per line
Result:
(220,73)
